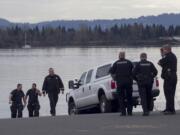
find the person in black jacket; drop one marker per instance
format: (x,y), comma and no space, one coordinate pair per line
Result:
(121,72)
(33,102)
(169,74)
(144,73)
(52,86)
(15,99)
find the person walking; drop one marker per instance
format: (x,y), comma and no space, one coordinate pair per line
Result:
(144,73)
(121,72)
(17,101)
(33,102)
(52,86)
(169,75)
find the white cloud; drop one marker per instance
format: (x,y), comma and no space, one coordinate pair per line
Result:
(156,4)
(40,10)
(151,6)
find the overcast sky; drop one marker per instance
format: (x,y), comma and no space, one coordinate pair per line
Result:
(43,10)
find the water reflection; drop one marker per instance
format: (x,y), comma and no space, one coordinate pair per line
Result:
(31,65)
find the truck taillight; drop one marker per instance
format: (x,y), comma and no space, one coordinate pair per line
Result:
(113,85)
(157,83)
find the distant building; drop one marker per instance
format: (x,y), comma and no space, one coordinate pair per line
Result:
(177,38)
(166,38)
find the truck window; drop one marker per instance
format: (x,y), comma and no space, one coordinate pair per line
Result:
(103,71)
(89,76)
(82,78)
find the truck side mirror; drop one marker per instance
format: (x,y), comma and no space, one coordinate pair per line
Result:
(77,84)
(71,84)
(80,83)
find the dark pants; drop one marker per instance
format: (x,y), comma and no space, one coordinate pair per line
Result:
(33,110)
(145,92)
(53,98)
(16,111)
(169,92)
(125,98)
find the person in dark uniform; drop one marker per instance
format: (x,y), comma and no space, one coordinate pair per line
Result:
(52,86)
(121,72)
(144,73)
(33,102)
(169,74)
(15,99)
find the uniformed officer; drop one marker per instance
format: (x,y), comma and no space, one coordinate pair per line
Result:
(169,74)
(144,73)
(33,102)
(121,71)
(15,99)
(52,86)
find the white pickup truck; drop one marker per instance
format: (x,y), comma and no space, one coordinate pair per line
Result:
(96,89)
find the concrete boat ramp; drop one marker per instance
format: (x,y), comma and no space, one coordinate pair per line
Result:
(94,124)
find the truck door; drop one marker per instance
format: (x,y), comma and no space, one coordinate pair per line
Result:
(79,93)
(88,89)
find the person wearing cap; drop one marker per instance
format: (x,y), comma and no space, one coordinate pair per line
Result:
(52,86)
(169,74)
(144,73)
(121,72)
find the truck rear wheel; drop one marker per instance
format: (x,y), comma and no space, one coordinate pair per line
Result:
(104,105)
(72,110)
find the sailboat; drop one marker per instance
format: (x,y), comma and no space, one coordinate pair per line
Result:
(26,46)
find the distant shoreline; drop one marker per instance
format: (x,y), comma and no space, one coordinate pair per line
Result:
(138,44)
(125,35)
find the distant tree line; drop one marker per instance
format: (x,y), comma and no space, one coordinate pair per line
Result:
(86,36)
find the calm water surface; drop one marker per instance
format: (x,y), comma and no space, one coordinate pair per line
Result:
(31,65)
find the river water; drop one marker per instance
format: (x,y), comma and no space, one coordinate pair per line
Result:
(31,65)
